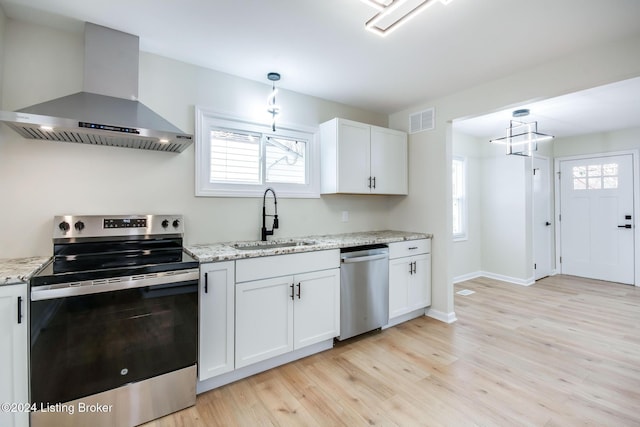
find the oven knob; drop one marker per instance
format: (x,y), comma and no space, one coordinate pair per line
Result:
(64,226)
(79,225)
(176,223)
(165,223)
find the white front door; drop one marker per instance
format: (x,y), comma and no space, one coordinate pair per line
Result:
(596,217)
(541,218)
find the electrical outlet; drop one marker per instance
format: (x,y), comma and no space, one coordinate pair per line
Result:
(345,216)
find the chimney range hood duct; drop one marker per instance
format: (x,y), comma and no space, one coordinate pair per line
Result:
(107,111)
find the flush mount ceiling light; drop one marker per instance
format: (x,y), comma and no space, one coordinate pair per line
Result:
(522,138)
(394,13)
(272,107)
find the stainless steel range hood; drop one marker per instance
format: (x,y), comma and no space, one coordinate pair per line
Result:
(107,111)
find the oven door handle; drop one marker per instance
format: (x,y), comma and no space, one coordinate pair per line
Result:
(88,287)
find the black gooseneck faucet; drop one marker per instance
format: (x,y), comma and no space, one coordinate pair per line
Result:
(266,232)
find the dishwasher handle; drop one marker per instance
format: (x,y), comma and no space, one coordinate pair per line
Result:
(347,260)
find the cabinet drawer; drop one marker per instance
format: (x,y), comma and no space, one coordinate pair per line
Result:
(285,265)
(409,247)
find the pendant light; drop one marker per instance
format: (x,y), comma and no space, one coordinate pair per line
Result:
(272,107)
(522,138)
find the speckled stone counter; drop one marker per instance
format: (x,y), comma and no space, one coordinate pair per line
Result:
(229,250)
(19,270)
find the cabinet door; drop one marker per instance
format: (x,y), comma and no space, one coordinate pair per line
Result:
(264,319)
(399,275)
(353,157)
(216,320)
(316,307)
(420,288)
(13,353)
(389,161)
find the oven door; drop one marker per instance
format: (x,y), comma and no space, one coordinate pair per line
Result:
(85,340)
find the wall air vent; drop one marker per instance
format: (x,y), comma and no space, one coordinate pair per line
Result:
(423,120)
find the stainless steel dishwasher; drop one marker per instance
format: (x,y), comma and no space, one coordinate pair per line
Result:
(364,289)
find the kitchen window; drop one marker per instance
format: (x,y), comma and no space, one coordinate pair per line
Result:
(236,158)
(459,184)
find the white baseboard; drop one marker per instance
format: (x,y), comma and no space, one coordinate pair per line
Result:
(468,276)
(515,280)
(441,315)
(265,365)
(405,317)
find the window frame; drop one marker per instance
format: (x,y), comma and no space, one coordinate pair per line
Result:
(207,120)
(463,200)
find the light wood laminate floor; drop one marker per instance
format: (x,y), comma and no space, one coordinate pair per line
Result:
(563,352)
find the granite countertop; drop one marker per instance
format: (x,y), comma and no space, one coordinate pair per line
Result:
(227,251)
(19,270)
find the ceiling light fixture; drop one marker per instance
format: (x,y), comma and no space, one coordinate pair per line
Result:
(272,107)
(377,4)
(395,13)
(522,138)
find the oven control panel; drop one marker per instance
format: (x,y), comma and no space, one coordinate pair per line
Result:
(125,223)
(81,226)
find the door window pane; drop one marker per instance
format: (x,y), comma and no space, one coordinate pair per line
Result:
(595,177)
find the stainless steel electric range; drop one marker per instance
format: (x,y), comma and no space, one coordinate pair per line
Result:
(113,320)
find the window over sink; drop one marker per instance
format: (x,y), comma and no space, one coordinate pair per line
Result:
(238,158)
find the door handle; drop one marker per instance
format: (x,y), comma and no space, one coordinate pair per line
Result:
(369,182)
(374,182)
(291,290)
(206,283)
(299,290)
(625,226)
(19,310)
(547,223)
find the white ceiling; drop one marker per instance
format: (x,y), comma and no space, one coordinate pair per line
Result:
(601,109)
(322,49)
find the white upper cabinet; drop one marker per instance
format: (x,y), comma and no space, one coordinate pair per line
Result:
(359,158)
(389,161)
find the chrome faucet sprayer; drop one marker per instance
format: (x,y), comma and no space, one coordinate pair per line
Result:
(266,232)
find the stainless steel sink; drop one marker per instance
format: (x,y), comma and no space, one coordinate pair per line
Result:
(253,246)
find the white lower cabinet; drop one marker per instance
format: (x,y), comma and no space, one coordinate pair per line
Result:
(316,308)
(14,352)
(216,319)
(283,305)
(278,315)
(264,319)
(409,277)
